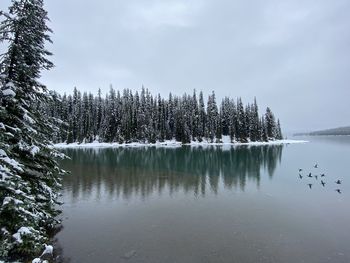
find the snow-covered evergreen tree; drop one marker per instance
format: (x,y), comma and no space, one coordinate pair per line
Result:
(279,135)
(254,123)
(270,124)
(241,131)
(202,117)
(213,116)
(28,171)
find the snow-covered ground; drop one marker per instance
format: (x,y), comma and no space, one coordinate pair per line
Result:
(171,143)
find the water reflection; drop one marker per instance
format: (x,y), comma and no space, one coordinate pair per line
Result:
(125,172)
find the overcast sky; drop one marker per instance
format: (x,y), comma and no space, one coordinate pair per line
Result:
(293,55)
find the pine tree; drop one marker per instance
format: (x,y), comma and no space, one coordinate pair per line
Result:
(98,122)
(29,173)
(225,116)
(170,119)
(248,122)
(194,116)
(270,124)
(201,117)
(254,134)
(263,132)
(241,122)
(232,120)
(279,135)
(213,118)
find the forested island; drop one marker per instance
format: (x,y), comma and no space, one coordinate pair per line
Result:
(335,131)
(141,117)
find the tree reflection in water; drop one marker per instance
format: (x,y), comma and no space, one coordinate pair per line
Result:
(124,172)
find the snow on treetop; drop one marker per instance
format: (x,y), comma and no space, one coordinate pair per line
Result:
(34,150)
(22,231)
(8,92)
(11,162)
(10,85)
(9,199)
(4,171)
(2,153)
(28,118)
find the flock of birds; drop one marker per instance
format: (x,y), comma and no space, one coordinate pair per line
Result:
(321,176)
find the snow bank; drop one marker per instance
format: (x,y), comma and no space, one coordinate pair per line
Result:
(172,143)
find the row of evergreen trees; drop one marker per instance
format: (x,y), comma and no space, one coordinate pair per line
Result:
(140,117)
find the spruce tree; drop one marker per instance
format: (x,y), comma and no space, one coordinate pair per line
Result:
(98,120)
(254,135)
(213,117)
(29,174)
(279,135)
(232,120)
(270,124)
(263,132)
(225,116)
(241,122)
(201,117)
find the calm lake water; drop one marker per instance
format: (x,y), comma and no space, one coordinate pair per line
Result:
(240,204)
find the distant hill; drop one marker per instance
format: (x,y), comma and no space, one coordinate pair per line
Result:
(335,131)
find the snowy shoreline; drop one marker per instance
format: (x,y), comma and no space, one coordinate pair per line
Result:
(171,143)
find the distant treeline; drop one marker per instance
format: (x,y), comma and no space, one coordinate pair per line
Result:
(141,117)
(335,131)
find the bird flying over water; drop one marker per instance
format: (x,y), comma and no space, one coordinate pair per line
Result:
(309,175)
(316,177)
(338,182)
(316,165)
(323,175)
(338,190)
(310,185)
(323,183)
(300,176)
(300,169)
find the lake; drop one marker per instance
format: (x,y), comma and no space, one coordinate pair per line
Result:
(212,204)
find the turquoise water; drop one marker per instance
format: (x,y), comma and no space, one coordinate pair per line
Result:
(214,204)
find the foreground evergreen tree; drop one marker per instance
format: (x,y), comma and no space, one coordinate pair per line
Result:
(28,170)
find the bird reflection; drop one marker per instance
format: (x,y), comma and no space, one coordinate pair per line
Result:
(143,171)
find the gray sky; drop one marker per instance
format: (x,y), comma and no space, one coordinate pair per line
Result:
(293,55)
